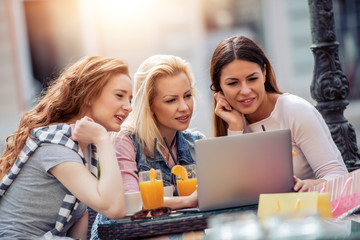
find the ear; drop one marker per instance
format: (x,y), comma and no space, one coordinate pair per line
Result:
(152,113)
(88,102)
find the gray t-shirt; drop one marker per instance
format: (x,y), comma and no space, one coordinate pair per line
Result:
(31,205)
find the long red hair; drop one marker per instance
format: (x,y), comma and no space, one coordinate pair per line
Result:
(64,100)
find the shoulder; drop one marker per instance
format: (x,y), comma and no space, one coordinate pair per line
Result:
(124,139)
(49,155)
(192,135)
(50,149)
(299,113)
(290,100)
(294,105)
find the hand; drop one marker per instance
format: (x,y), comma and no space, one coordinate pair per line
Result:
(179,202)
(193,199)
(231,116)
(87,131)
(305,185)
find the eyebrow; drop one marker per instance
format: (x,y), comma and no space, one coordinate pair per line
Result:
(121,90)
(176,95)
(248,76)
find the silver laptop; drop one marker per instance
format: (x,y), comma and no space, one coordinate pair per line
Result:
(232,171)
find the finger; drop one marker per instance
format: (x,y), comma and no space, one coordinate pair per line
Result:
(304,188)
(72,129)
(227,106)
(74,134)
(298,186)
(296,179)
(218,108)
(224,104)
(88,119)
(218,96)
(215,95)
(224,101)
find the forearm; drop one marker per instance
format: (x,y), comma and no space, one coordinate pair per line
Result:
(181,202)
(176,202)
(110,186)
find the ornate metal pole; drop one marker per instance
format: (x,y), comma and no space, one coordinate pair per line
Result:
(330,86)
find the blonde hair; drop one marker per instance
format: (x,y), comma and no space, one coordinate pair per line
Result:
(141,121)
(64,100)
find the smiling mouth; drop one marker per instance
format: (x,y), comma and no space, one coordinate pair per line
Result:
(183,118)
(247,100)
(119,117)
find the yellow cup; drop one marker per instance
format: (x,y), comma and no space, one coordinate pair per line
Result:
(152,191)
(188,186)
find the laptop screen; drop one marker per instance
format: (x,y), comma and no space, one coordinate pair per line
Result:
(233,171)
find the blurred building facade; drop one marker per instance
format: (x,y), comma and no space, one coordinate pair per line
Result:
(38,38)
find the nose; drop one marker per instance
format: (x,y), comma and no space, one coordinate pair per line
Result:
(245,89)
(127,107)
(183,105)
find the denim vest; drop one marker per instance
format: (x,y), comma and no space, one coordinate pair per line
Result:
(185,141)
(185,155)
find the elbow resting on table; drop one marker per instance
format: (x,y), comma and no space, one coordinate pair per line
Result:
(117,215)
(115,211)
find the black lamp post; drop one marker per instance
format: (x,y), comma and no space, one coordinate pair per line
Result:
(330,87)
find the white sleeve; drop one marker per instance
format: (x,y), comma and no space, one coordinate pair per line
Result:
(312,136)
(230,132)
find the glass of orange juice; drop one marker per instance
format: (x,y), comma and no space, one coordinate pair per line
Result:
(187,185)
(151,188)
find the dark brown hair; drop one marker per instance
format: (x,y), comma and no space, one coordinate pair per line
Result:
(237,48)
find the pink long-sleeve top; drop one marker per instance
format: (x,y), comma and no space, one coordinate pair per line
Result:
(126,157)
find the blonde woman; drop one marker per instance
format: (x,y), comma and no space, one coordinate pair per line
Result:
(156,130)
(155,135)
(44,193)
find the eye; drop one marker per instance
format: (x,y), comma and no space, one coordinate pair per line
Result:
(253,79)
(231,83)
(170,100)
(119,95)
(188,95)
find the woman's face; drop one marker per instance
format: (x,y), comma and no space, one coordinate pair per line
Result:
(114,103)
(173,103)
(242,83)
